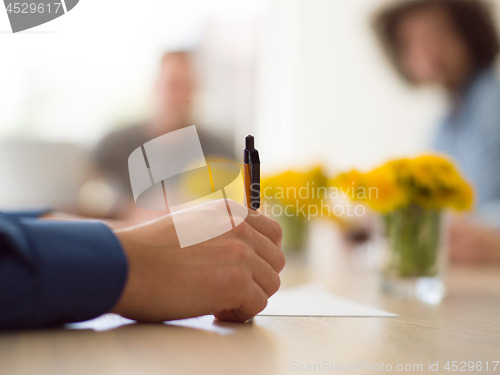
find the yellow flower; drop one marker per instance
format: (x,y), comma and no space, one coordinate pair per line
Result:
(349,182)
(402,169)
(434,172)
(438,184)
(464,197)
(383,193)
(431,181)
(293,186)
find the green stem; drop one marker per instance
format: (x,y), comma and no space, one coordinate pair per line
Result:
(414,239)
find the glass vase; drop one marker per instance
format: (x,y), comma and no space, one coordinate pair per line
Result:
(414,260)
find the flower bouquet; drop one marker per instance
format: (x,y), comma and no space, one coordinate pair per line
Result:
(411,196)
(294,198)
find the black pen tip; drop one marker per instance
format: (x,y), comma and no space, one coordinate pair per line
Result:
(249,142)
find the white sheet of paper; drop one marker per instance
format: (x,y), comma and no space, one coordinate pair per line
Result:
(315,300)
(306,300)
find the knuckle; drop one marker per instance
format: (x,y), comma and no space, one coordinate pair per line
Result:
(261,304)
(234,275)
(276,283)
(244,229)
(276,230)
(281,260)
(240,252)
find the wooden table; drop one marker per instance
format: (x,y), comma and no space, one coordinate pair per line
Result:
(464,327)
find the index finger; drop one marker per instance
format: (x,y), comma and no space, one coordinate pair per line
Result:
(265,225)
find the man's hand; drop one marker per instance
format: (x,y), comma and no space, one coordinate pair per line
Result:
(230,276)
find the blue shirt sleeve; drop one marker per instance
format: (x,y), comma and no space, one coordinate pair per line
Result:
(30,213)
(54,272)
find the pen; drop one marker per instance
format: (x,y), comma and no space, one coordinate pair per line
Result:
(251,173)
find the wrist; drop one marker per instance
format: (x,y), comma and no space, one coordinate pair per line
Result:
(123,237)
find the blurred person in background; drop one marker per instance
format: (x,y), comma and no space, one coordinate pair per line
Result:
(453,44)
(171,110)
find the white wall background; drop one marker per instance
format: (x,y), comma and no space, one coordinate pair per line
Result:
(326,93)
